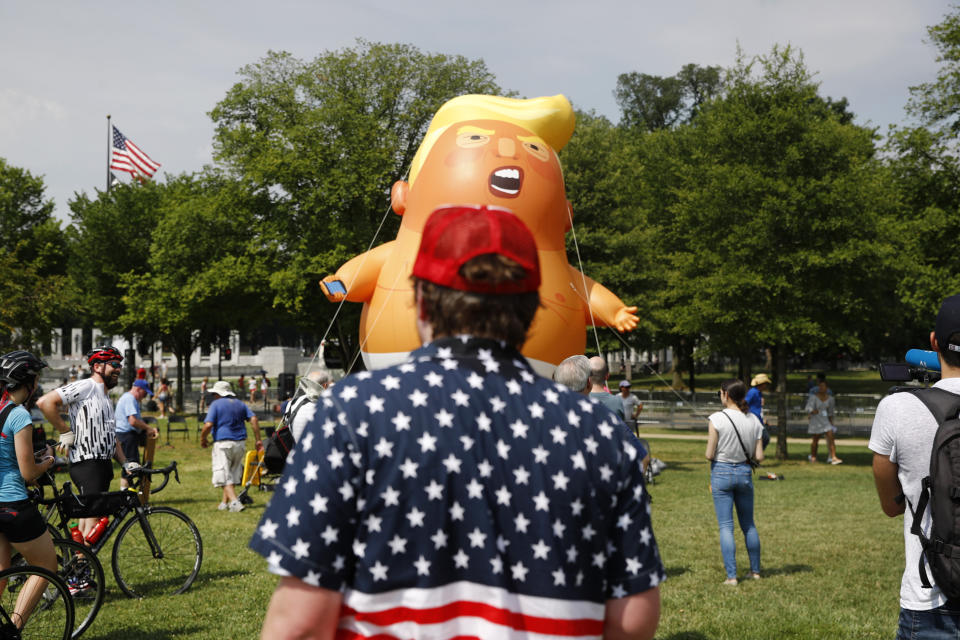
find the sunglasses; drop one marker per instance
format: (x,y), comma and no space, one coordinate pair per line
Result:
(115,364)
(720,395)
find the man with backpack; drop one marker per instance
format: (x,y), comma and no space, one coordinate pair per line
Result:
(902,440)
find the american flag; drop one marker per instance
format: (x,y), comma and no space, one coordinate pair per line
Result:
(128,157)
(461,494)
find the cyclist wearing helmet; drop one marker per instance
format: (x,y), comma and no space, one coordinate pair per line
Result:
(21,525)
(91,415)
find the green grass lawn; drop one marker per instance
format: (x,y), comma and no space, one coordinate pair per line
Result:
(832,561)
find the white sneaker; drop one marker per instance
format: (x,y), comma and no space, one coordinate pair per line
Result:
(222,506)
(236,505)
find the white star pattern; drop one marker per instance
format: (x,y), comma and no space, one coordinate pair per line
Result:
(452,463)
(475,489)
(425,502)
(401,421)
(423,566)
(301,549)
(427,442)
(434,490)
(397,545)
(268,529)
(416,517)
(293,517)
(418,398)
(460,398)
(318,504)
(540,550)
(391,497)
(519,572)
(384,449)
(444,418)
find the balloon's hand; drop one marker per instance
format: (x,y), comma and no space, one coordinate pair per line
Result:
(328,289)
(625,319)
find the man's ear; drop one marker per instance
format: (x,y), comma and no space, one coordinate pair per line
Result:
(398,197)
(933,342)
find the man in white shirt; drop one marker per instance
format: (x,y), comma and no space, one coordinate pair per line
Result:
(92,441)
(902,440)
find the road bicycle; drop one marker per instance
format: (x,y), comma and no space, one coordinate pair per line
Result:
(158,550)
(50,617)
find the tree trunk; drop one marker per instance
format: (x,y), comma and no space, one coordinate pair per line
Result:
(675,365)
(745,368)
(780,362)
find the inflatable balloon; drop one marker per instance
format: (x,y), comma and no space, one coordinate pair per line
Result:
(495,151)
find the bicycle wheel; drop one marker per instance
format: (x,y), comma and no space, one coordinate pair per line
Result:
(81,570)
(160,556)
(50,616)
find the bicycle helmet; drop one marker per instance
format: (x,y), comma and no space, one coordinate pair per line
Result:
(19,367)
(104,353)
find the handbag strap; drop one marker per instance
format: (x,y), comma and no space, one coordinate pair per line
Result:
(749,459)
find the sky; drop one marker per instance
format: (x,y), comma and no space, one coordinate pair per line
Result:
(159,68)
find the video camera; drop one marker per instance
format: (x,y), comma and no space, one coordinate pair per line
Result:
(922,366)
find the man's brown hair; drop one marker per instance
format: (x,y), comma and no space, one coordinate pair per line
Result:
(501,317)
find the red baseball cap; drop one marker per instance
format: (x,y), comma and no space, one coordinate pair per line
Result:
(454,235)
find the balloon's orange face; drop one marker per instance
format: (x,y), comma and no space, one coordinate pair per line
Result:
(494,163)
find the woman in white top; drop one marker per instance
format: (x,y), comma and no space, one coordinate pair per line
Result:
(733,432)
(820,406)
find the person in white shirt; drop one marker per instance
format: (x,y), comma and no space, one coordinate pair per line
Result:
(901,441)
(92,441)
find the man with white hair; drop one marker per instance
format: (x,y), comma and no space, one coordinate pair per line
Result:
(227,418)
(574,373)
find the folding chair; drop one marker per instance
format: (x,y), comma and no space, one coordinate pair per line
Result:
(181,426)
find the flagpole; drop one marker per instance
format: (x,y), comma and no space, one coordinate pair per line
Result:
(108,152)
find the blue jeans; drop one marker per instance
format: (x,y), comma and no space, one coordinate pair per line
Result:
(935,624)
(732,485)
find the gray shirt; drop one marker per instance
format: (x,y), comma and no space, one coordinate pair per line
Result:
(903,430)
(629,404)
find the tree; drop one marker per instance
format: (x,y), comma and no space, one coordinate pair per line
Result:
(650,102)
(937,104)
(32,262)
(925,167)
(326,139)
(610,238)
(770,231)
(110,239)
(206,270)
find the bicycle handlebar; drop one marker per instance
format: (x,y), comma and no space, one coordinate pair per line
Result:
(146,471)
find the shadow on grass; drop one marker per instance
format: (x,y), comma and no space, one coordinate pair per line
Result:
(673,572)
(209,576)
(687,635)
(786,570)
(135,633)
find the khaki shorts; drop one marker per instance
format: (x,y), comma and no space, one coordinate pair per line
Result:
(228,462)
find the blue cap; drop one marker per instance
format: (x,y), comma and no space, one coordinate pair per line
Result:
(143,385)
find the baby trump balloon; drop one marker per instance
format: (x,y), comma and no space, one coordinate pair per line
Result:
(483,150)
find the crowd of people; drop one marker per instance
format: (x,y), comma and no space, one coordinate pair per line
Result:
(460,488)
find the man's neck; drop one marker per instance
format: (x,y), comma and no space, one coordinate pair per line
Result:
(946,371)
(597,388)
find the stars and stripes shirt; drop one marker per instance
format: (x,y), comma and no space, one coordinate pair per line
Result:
(91,419)
(460,493)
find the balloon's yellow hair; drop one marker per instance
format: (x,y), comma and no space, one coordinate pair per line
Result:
(550,117)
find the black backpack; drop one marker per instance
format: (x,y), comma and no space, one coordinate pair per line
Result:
(941,491)
(278,445)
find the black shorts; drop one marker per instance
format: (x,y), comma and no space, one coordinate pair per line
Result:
(130,443)
(92,476)
(21,521)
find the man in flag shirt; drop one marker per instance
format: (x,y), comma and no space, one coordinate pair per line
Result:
(459,494)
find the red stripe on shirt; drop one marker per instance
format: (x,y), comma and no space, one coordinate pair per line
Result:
(464,608)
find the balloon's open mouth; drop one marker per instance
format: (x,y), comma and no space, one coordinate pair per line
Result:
(506,181)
